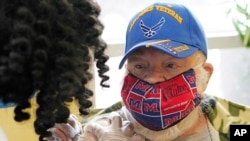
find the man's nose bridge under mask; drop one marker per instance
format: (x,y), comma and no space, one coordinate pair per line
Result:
(155,77)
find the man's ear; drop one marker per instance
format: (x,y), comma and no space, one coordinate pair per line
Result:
(209,68)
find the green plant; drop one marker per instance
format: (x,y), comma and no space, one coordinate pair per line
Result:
(240,14)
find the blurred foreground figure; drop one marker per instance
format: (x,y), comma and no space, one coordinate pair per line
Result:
(47,47)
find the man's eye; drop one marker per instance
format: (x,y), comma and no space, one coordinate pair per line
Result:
(171,66)
(138,66)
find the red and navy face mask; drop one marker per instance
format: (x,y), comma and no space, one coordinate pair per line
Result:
(159,106)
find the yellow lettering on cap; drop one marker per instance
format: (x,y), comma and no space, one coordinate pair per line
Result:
(181,48)
(169,11)
(160,8)
(156,42)
(143,12)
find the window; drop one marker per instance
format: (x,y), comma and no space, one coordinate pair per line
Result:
(218,26)
(116,14)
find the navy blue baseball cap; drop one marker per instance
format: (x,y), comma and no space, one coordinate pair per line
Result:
(168,27)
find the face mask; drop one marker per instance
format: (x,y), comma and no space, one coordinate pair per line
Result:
(159,106)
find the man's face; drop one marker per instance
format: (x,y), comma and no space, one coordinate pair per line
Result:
(154,66)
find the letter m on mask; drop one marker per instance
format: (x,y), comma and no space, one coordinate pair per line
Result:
(135,103)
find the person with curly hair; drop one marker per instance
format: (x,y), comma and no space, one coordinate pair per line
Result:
(47,47)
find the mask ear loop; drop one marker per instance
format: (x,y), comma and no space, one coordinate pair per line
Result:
(197,66)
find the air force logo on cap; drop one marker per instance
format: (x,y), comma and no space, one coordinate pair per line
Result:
(151,31)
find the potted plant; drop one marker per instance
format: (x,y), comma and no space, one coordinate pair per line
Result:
(240,14)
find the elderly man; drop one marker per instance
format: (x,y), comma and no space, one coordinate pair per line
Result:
(166,52)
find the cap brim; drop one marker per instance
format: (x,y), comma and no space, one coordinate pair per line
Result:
(172,48)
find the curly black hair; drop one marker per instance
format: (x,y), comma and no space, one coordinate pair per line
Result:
(46,51)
